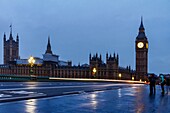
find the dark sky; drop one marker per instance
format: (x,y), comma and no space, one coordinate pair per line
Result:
(80,27)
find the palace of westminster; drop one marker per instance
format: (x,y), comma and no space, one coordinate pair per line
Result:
(50,65)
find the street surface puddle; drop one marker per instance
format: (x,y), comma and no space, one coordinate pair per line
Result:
(130,91)
(22,92)
(129,94)
(2,95)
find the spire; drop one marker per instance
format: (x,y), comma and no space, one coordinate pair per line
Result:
(107,56)
(117,59)
(117,56)
(100,57)
(90,56)
(10,29)
(4,37)
(10,37)
(48,47)
(141,34)
(141,28)
(96,55)
(17,38)
(110,56)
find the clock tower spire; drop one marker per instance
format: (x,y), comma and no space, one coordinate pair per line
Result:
(141,47)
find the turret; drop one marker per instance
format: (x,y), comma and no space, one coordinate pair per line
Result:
(4,37)
(100,57)
(96,55)
(106,56)
(117,56)
(11,48)
(10,36)
(17,39)
(117,59)
(110,56)
(114,56)
(90,56)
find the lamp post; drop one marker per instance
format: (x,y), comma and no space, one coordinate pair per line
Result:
(120,75)
(133,78)
(31,61)
(94,72)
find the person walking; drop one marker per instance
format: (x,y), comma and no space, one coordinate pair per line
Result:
(167,84)
(162,82)
(152,83)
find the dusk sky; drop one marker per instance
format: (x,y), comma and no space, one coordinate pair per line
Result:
(80,27)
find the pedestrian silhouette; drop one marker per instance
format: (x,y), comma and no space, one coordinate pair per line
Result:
(152,83)
(167,84)
(162,82)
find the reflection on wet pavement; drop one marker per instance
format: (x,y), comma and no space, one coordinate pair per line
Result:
(30,106)
(134,99)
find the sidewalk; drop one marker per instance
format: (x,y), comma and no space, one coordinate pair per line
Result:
(157,103)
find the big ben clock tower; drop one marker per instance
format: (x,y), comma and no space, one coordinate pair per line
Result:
(141,46)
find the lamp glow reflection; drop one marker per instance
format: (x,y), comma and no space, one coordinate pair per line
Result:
(119,93)
(93,100)
(30,106)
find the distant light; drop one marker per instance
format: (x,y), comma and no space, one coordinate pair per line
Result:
(31,61)
(133,78)
(120,75)
(94,70)
(140,80)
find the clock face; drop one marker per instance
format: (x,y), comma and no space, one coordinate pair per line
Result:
(146,45)
(140,45)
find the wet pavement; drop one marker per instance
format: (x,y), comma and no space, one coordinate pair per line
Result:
(134,99)
(36,90)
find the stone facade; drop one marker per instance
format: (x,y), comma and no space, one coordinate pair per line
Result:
(51,66)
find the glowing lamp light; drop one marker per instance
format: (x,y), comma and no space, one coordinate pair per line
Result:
(133,78)
(31,61)
(94,70)
(120,75)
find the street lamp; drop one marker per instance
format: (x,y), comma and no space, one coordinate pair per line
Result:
(31,61)
(94,71)
(120,75)
(133,78)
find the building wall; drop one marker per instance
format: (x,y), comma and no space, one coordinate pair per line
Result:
(51,70)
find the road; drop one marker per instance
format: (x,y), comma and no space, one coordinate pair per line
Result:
(35,85)
(80,86)
(14,91)
(93,97)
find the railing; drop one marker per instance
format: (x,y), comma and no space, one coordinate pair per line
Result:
(5,77)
